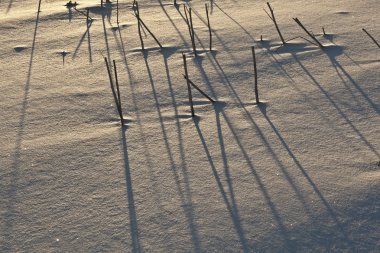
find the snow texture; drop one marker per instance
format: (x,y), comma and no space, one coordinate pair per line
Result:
(298,172)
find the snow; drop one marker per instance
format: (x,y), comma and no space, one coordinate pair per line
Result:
(298,172)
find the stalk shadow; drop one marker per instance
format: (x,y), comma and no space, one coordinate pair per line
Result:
(328,207)
(337,108)
(105,11)
(274,210)
(205,49)
(172,22)
(283,168)
(134,230)
(234,20)
(275,157)
(332,52)
(231,207)
(87,32)
(106,42)
(11,193)
(184,191)
(315,107)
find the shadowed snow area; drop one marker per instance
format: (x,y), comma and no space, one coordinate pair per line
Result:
(297,172)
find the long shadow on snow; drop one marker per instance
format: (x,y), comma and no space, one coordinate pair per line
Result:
(11,193)
(166,52)
(131,202)
(88,40)
(316,108)
(332,52)
(283,168)
(335,105)
(185,194)
(329,209)
(231,204)
(297,163)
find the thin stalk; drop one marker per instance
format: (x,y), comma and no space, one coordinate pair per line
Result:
(137,13)
(198,89)
(209,26)
(275,23)
(188,86)
(369,35)
(308,33)
(255,71)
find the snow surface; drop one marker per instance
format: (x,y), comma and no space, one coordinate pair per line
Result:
(298,173)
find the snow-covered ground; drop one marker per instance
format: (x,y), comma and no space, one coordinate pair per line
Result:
(298,173)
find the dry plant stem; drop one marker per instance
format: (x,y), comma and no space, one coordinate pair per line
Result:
(154,37)
(117,11)
(189,22)
(188,86)
(324,32)
(87,15)
(118,93)
(255,71)
(187,19)
(275,23)
(369,35)
(39,6)
(308,33)
(198,89)
(192,33)
(101,3)
(113,90)
(137,14)
(209,26)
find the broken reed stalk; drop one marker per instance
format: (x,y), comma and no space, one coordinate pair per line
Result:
(273,18)
(209,26)
(198,89)
(323,30)
(137,14)
(308,33)
(154,37)
(101,3)
(188,86)
(369,35)
(118,106)
(255,71)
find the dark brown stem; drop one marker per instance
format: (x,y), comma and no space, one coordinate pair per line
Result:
(255,71)
(198,89)
(154,37)
(369,35)
(188,86)
(209,26)
(137,14)
(118,93)
(117,11)
(275,23)
(308,33)
(113,91)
